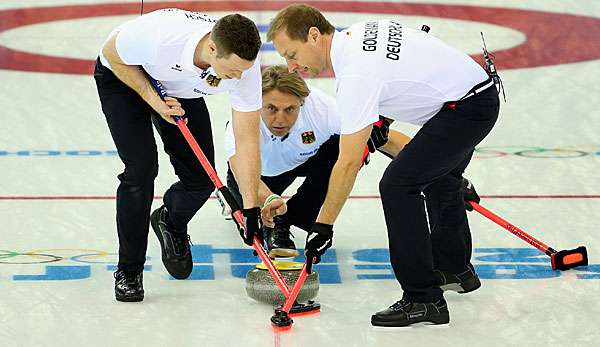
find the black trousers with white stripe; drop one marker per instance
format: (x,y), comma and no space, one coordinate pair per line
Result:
(427,174)
(304,206)
(130,121)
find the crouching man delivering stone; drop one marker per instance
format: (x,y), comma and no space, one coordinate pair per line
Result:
(299,137)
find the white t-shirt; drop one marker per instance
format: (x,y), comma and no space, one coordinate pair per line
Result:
(317,121)
(163,43)
(383,68)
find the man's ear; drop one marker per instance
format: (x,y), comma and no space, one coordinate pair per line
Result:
(313,35)
(212,47)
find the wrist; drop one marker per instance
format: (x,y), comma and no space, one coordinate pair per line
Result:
(250,201)
(153,98)
(270,199)
(251,212)
(322,229)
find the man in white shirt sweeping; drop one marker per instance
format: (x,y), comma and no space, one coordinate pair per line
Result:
(193,56)
(383,68)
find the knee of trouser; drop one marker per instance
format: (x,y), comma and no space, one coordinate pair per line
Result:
(399,184)
(388,181)
(385,184)
(446,197)
(139,174)
(446,188)
(198,185)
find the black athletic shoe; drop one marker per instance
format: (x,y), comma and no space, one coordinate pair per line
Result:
(175,245)
(129,286)
(464,282)
(404,313)
(278,240)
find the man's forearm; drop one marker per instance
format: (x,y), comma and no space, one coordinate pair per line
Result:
(135,79)
(247,155)
(343,175)
(341,182)
(249,175)
(396,142)
(263,190)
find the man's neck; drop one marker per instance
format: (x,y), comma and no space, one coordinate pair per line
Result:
(327,40)
(201,53)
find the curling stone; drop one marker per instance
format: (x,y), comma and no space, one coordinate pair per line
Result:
(260,285)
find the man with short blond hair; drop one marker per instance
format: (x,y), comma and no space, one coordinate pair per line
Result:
(299,137)
(383,68)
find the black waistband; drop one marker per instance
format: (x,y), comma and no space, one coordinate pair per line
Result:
(478,88)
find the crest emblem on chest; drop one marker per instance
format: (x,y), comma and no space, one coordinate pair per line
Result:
(213,81)
(308,137)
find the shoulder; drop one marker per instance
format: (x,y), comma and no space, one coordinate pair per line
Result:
(317,95)
(320,109)
(180,15)
(318,101)
(250,78)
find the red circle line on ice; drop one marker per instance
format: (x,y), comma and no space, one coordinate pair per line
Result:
(551,38)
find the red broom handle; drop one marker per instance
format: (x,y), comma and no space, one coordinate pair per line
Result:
(212,174)
(295,290)
(210,171)
(513,229)
(237,215)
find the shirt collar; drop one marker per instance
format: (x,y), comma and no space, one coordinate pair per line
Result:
(336,46)
(187,55)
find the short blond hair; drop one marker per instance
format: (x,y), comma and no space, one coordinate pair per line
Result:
(296,19)
(278,77)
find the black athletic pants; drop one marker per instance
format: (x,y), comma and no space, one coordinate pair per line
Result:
(429,169)
(304,206)
(130,120)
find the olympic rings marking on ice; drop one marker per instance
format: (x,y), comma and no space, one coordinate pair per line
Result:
(48,258)
(78,258)
(9,254)
(484,152)
(42,256)
(553,153)
(487,152)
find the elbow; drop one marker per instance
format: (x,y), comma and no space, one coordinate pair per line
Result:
(109,49)
(350,165)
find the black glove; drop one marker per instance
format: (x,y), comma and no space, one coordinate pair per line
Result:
(318,240)
(366,158)
(251,217)
(379,134)
(469,193)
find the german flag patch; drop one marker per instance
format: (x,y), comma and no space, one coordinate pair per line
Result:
(213,81)
(308,137)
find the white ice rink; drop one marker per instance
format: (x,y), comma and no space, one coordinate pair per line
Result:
(538,169)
